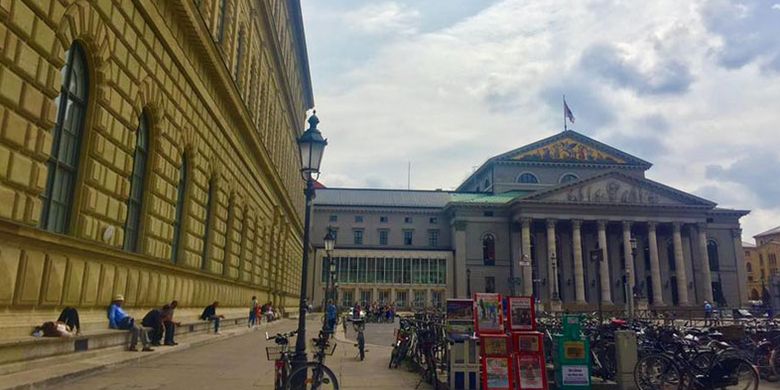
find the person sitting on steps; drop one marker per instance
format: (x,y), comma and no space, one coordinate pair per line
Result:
(119,319)
(210,314)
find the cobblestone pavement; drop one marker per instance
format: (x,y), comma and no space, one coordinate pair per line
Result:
(240,363)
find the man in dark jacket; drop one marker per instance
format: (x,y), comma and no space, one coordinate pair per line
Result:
(169,323)
(210,314)
(154,319)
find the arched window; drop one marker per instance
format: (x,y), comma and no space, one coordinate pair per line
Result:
(135,202)
(527,177)
(489,249)
(207,228)
(712,253)
(568,178)
(670,255)
(221,21)
(239,55)
(181,192)
(66,142)
(749,267)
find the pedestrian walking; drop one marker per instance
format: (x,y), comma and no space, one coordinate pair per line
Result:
(253,312)
(707,313)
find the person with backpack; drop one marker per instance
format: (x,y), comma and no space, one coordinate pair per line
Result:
(119,319)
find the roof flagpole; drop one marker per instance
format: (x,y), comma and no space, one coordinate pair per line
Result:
(565,126)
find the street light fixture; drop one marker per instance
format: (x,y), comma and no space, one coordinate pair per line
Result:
(311,146)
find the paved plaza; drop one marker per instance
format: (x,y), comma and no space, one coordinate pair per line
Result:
(240,363)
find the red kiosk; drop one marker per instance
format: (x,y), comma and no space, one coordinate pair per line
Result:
(495,345)
(529,362)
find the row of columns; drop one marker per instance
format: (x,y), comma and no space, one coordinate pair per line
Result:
(681,276)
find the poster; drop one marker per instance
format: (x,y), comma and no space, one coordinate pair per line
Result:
(575,375)
(460,318)
(488,313)
(521,313)
(494,345)
(497,371)
(530,375)
(528,343)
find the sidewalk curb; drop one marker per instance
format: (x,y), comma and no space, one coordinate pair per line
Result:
(93,365)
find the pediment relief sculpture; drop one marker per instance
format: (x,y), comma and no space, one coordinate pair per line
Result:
(613,191)
(569,150)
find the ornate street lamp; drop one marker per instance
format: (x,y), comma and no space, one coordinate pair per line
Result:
(630,295)
(311,146)
(554,277)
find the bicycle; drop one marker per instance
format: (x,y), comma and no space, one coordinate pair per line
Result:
(315,374)
(281,356)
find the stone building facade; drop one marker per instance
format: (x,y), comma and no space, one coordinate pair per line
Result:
(761,262)
(148,148)
(528,222)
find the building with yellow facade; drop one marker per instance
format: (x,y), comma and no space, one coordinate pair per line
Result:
(148,148)
(761,261)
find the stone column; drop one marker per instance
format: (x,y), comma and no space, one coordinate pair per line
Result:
(427,297)
(679,264)
(579,272)
(528,283)
(374,296)
(655,266)
(629,258)
(706,276)
(739,257)
(356,296)
(551,252)
(606,295)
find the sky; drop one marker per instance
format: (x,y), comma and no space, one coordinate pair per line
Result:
(443,85)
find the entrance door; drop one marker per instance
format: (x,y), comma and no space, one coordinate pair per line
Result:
(401,298)
(673,284)
(365,297)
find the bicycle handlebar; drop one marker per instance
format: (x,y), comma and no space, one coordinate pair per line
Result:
(281,335)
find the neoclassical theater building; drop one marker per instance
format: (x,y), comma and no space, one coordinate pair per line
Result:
(148,149)
(533,221)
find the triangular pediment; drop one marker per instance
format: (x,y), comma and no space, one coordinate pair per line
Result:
(618,188)
(572,147)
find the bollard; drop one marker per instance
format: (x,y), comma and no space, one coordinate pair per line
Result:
(626,356)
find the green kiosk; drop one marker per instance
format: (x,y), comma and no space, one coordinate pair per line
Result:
(572,355)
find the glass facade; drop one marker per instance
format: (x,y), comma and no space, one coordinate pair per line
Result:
(388,270)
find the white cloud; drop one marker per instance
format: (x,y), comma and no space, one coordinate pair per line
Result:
(449,98)
(387,17)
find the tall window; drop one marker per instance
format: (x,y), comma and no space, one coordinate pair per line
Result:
(712,253)
(358,236)
(408,237)
(181,191)
(749,267)
(433,238)
(490,284)
(66,142)
(489,249)
(383,237)
(527,178)
(221,22)
(207,230)
(134,203)
(239,55)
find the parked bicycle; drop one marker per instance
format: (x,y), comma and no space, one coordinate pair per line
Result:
(280,354)
(315,374)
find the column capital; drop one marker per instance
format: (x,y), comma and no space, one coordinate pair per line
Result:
(602,224)
(576,223)
(651,225)
(460,225)
(550,223)
(701,226)
(526,221)
(736,233)
(627,225)
(676,226)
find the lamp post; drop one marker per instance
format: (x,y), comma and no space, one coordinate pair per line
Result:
(329,243)
(468,282)
(311,146)
(597,256)
(554,276)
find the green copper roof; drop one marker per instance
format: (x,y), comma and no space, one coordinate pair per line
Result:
(487,198)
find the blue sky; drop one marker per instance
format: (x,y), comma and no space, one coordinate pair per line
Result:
(692,86)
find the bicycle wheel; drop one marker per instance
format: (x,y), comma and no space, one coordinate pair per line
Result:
(657,372)
(312,376)
(733,373)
